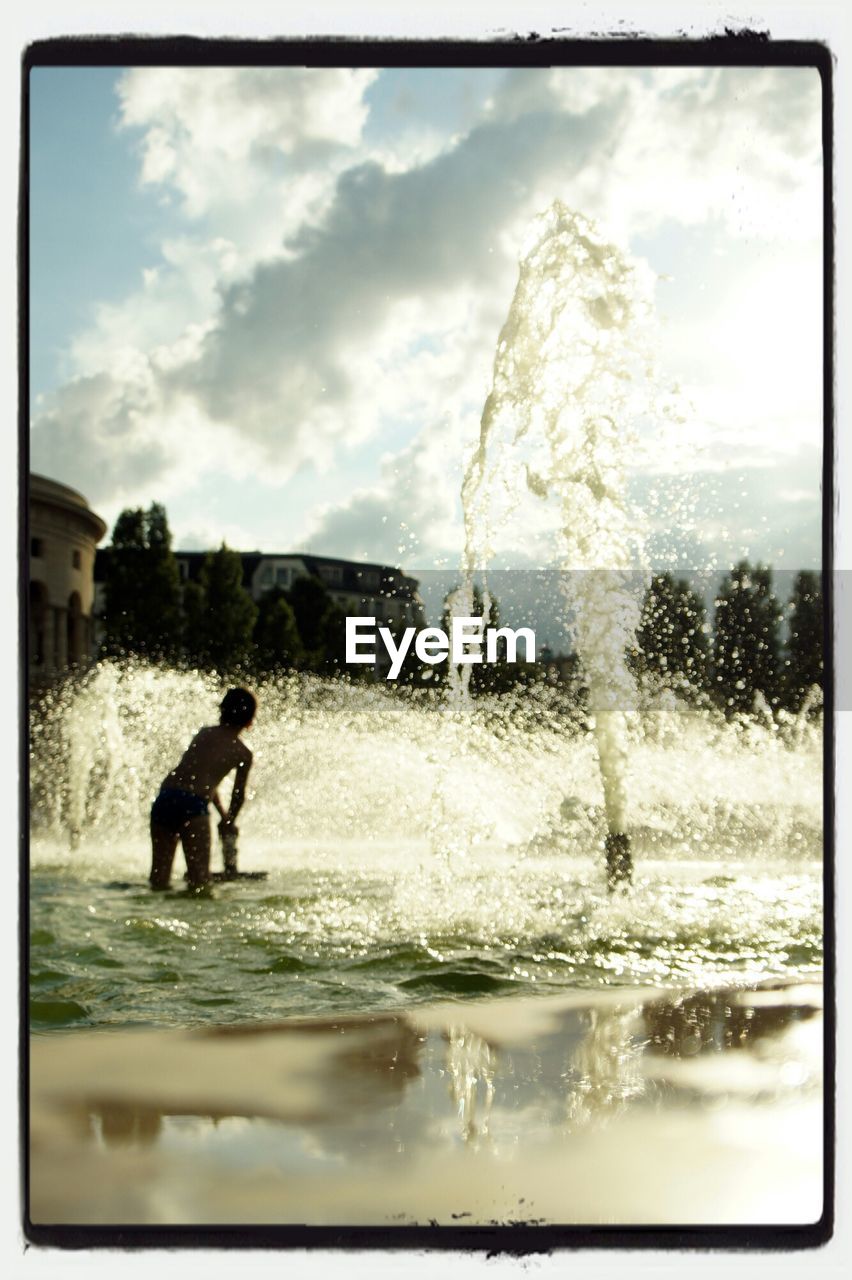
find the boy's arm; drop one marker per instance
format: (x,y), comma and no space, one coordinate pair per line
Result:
(217,804)
(238,793)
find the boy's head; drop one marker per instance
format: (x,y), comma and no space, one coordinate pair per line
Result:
(237,708)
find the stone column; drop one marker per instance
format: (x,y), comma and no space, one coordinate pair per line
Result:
(60,638)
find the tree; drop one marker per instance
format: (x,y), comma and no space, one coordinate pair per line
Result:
(671,639)
(276,636)
(141,613)
(330,658)
(224,628)
(746,642)
(163,584)
(194,628)
(803,664)
(321,625)
(310,602)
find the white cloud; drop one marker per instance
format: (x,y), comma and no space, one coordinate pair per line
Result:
(330,292)
(216,133)
(279,357)
(210,534)
(736,144)
(411,516)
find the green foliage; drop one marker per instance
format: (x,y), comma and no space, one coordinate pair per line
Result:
(310,602)
(141,613)
(671,639)
(330,655)
(321,626)
(225,621)
(276,636)
(747,639)
(803,666)
(193,621)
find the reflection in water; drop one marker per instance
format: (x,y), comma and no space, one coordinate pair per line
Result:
(590,1067)
(124,1126)
(534,1110)
(714,1021)
(471,1064)
(606,1070)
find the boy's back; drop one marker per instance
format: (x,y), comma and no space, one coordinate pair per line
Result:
(212,753)
(180,810)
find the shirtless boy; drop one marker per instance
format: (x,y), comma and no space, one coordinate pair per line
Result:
(180,811)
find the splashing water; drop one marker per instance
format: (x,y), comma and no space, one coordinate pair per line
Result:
(421,847)
(361,909)
(572,376)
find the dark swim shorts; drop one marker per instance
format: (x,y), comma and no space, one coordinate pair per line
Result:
(173,809)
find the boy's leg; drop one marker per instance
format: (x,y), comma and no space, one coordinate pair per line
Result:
(195,838)
(163,845)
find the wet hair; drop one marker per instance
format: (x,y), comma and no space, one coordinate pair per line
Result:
(237,708)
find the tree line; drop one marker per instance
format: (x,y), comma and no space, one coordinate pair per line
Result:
(214,624)
(744,655)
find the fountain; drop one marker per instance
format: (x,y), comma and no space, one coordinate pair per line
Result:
(325,1042)
(418,844)
(572,376)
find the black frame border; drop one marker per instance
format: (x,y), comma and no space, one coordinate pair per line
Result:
(732,48)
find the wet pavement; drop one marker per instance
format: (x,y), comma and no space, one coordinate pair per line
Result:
(615,1107)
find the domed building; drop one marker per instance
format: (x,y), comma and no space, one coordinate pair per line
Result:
(64,534)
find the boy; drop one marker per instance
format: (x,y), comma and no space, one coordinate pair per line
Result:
(180,810)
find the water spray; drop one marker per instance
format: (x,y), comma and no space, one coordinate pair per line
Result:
(572,375)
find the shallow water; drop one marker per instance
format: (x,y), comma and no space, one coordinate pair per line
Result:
(320,939)
(413,854)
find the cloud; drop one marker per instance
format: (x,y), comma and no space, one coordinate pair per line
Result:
(333,289)
(278,358)
(103,418)
(737,144)
(126,440)
(216,133)
(412,515)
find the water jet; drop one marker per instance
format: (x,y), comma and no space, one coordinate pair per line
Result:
(418,846)
(619,862)
(572,374)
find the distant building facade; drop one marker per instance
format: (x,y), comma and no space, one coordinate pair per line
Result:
(64,534)
(374,590)
(370,590)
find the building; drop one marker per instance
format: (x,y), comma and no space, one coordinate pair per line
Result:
(374,590)
(377,590)
(64,534)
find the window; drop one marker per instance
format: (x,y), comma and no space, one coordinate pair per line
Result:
(331,573)
(265,576)
(76,559)
(183,570)
(36,547)
(369,578)
(282,577)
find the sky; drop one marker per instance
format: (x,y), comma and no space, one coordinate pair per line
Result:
(270,297)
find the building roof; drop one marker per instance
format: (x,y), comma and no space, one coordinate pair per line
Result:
(54,494)
(388,580)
